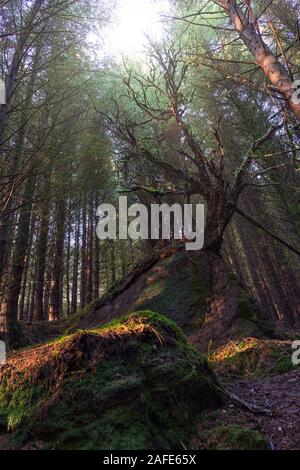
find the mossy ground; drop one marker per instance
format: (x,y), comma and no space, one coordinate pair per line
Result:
(228,429)
(178,289)
(250,321)
(253,357)
(235,437)
(133,384)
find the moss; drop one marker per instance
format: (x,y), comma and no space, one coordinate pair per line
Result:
(133,384)
(253,357)
(245,310)
(283,365)
(294,211)
(152,318)
(246,328)
(250,321)
(72,320)
(16,336)
(234,437)
(179,290)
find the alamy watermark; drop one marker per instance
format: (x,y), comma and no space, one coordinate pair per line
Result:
(163,222)
(2,352)
(296,354)
(296,94)
(2,92)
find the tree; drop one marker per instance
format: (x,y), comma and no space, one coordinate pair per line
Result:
(280,76)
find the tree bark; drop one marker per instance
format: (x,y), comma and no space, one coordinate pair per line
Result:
(264,57)
(75,266)
(90,253)
(10,305)
(6,216)
(55,289)
(21,48)
(41,255)
(96,260)
(83,270)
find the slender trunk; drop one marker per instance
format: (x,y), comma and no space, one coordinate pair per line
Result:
(96,260)
(10,305)
(123,261)
(264,57)
(12,184)
(90,253)
(113,262)
(83,259)
(18,56)
(131,253)
(75,267)
(55,289)
(47,290)
(41,254)
(25,271)
(68,269)
(32,296)
(26,312)
(106,269)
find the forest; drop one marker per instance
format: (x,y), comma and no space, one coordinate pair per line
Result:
(147,339)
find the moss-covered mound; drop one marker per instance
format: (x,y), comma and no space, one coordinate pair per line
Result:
(253,357)
(250,321)
(235,437)
(177,286)
(133,384)
(179,289)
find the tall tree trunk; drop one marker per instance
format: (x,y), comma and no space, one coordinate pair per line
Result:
(123,260)
(83,270)
(32,296)
(10,305)
(41,255)
(57,272)
(75,266)
(25,271)
(90,253)
(27,304)
(18,56)
(7,200)
(68,268)
(96,276)
(113,262)
(264,57)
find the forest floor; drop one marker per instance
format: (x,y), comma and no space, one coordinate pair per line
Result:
(4,445)
(249,367)
(280,394)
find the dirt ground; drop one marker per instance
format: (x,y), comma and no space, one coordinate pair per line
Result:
(280,395)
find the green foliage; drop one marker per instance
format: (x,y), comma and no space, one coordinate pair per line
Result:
(283,365)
